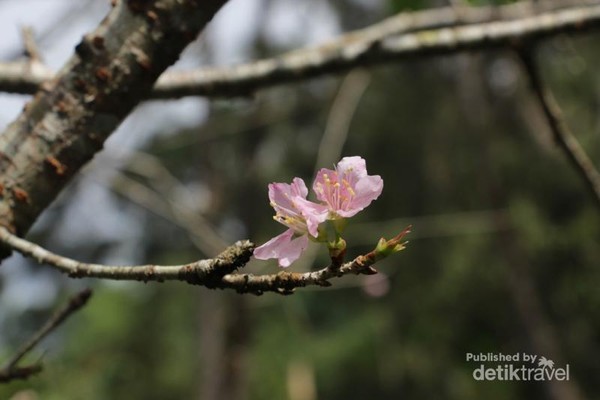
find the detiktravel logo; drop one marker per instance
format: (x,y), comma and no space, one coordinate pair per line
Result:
(516,367)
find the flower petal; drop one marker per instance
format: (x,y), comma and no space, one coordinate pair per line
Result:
(282,247)
(348,189)
(313,213)
(282,194)
(355,166)
(293,210)
(366,190)
(298,188)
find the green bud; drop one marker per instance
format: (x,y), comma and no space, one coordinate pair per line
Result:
(387,247)
(337,249)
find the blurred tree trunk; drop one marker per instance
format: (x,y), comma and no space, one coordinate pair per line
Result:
(541,333)
(224,329)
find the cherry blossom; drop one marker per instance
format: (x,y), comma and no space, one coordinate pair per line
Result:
(348,188)
(342,193)
(301,216)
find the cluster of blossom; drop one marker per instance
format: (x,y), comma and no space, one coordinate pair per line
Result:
(342,193)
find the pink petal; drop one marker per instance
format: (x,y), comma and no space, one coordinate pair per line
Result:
(355,166)
(366,190)
(313,213)
(282,194)
(348,189)
(298,188)
(282,247)
(289,202)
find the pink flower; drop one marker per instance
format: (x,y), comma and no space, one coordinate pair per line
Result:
(347,189)
(301,216)
(344,192)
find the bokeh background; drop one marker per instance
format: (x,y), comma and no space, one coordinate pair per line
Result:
(504,256)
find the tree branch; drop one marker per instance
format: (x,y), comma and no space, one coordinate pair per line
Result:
(67,122)
(563,136)
(218,272)
(10,371)
(406,35)
(394,39)
(286,282)
(31,48)
(199,272)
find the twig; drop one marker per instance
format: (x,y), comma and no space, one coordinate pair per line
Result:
(20,372)
(563,136)
(10,370)
(406,35)
(31,49)
(212,273)
(286,282)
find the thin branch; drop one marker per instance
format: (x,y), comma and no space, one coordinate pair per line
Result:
(32,50)
(23,77)
(20,372)
(199,272)
(563,136)
(212,273)
(406,35)
(10,371)
(286,282)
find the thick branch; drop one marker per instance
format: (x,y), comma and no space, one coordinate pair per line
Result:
(10,371)
(67,122)
(417,34)
(394,39)
(213,273)
(563,136)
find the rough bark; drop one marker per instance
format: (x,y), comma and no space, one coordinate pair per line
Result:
(113,69)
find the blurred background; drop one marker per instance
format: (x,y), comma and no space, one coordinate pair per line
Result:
(504,256)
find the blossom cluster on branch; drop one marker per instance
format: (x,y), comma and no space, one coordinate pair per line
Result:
(341,192)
